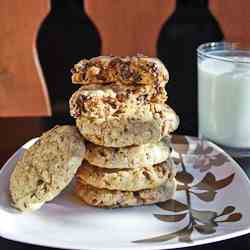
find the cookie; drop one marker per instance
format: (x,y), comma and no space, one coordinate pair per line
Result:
(137,125)
(105,198)
(46,168)
(127,70)
(128,157)
(145,177)
(100,101)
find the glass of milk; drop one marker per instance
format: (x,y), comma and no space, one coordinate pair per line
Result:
(224,96)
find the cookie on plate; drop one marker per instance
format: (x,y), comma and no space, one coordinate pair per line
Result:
(137,125)
(105,198)
(100,101)
(128,70)
(128,157)
(46,168)
(145,177)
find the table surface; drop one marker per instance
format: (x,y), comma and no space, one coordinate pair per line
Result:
(16,131)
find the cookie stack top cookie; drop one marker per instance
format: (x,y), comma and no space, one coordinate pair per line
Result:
(127,70)
(122,101)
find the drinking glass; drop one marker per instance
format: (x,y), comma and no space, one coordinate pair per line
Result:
(224,96)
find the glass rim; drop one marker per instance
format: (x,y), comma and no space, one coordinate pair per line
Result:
(224,46)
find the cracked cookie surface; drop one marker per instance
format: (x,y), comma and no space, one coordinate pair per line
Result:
(100,101)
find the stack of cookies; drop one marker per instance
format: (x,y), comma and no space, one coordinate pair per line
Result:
(121,111)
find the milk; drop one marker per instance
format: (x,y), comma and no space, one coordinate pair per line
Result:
(224,102)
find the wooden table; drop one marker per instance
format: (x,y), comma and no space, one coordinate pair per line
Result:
(16,131)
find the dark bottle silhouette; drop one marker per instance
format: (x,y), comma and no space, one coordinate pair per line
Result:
(66,35)
(190,25)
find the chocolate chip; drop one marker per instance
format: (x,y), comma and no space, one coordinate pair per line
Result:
(94,201)
(80,105)
(121,97)
(171,150)
(80,100)
(137,194)
(137,77)
(118,112)
(113,105)
(114,62)
(101,77)
(155,70)
(125,71)
(102,153)
(40,182)
(142,99)
(110,101)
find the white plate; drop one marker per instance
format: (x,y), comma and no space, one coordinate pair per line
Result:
(195,213)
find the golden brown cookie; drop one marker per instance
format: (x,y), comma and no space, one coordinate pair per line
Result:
(145,177)
(135,125)
(105,198)
(127,70)
(100,101)
(128,157)
(46,168)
